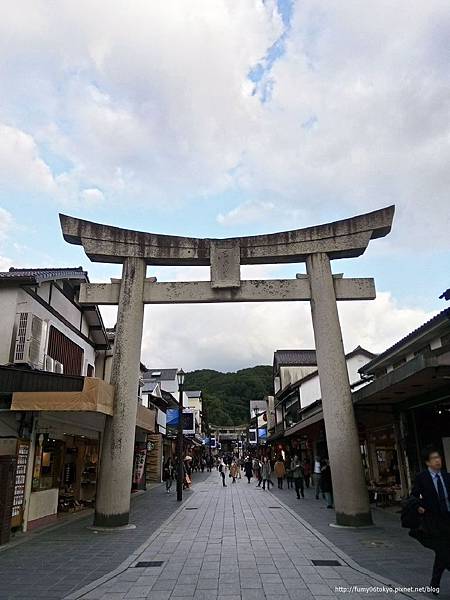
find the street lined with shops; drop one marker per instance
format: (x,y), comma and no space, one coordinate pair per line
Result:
(241,542)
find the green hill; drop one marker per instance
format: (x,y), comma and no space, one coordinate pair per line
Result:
(226,396)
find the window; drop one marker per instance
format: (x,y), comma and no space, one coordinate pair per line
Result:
(47,464)
(62,349)
(423,350)
(292,412)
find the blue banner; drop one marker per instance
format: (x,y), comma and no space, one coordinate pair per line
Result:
(172,417)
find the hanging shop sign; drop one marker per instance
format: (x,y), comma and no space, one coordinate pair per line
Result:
(23,451)
(252,436)
(140,455)
(188,421)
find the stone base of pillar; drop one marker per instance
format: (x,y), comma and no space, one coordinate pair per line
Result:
(111,521)
(358,520)
(112,529)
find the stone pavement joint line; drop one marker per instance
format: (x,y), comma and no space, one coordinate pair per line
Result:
(236,546)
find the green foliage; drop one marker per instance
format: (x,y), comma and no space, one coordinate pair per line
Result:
(226,396)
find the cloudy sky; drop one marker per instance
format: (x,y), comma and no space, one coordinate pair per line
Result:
(215,118)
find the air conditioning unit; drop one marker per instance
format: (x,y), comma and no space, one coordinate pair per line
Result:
(59,367)
(49,364)
(29,339)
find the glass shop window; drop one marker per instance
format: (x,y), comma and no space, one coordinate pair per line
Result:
(47,464)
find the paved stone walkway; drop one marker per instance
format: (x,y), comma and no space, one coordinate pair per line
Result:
(54,562)
(236,543)
(386,549)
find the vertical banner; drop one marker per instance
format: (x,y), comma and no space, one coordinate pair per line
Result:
(140,455)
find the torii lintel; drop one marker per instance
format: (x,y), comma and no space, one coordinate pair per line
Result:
(341,239)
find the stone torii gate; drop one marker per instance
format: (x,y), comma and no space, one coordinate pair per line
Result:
(316,246)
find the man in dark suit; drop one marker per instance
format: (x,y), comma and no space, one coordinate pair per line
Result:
(432,488)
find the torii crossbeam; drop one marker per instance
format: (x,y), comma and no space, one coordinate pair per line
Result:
(315,246)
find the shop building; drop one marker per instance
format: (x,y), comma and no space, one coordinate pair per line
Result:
(55,395)
(160,390)
(51,429)
(401,399)
(158,444)
(298,425)
(405,405)
(52,406)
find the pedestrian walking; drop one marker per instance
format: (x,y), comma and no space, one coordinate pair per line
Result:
(266,471)
(221,469)
(248,468)
(257,471)
(316,476)
(431,492)
(168,472)
(187,472)
(297,475)
(307,471)
(326,484)
(289,477)
(234,471)
(280,472)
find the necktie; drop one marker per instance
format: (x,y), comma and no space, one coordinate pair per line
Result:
(441,493)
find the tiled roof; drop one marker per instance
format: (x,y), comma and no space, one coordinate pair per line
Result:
(440,317)
(163,374)
(40,275)
(149,387)
(294,358)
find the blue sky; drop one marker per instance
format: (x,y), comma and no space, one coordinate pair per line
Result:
(259,116)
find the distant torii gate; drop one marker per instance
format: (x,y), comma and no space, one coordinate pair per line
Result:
(314,245)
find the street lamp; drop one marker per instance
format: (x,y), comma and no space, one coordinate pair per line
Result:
(180,378)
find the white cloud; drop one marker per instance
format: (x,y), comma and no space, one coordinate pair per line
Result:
(234,336)
(156,95)
(92,196)
(248,212)
(359,116)
(20,163)
(153,104)
(5,263)
(6,223)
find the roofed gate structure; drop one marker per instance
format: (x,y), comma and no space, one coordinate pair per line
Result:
(316,246)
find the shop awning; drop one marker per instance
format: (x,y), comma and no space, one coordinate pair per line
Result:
(95,396)
(423,374)
(146,418)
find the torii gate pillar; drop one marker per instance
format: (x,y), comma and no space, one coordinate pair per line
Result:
(112,506)
(349,486)
(314,245)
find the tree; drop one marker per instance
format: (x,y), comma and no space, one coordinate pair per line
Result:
(227,396)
